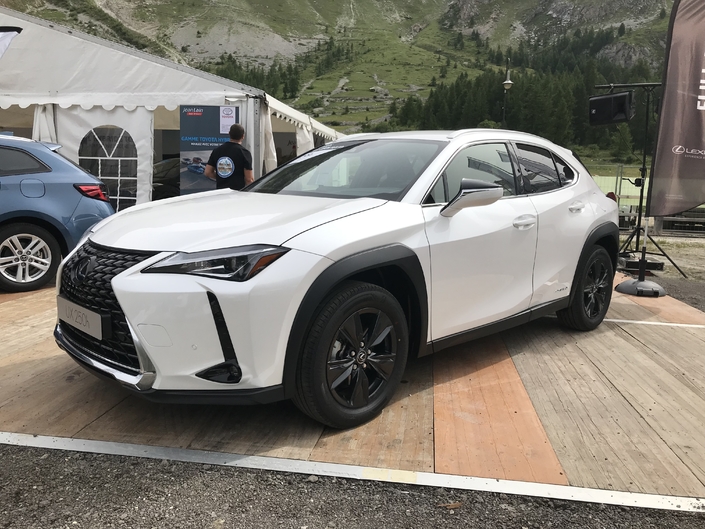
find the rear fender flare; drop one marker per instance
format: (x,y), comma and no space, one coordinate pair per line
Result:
(607,229)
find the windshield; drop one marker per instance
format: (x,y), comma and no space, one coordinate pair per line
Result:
(383,169)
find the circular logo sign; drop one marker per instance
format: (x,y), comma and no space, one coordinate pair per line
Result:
(227,111)
(678,149)
(225,167)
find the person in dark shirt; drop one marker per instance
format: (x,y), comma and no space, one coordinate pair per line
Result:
(230,164)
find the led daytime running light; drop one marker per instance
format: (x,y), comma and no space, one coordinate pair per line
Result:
(232,264)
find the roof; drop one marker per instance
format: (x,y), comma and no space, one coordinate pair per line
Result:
(449,135)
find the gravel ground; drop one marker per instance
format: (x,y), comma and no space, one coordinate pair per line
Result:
(689,255)
(50,488)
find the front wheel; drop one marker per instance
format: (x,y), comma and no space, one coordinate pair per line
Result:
(29,257)
(354,356)
(592,292)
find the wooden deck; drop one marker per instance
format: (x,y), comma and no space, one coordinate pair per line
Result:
(622,407)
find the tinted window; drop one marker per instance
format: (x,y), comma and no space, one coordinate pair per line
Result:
(378,169)
(14,162)
(488,162)
(538,172)
(565,172)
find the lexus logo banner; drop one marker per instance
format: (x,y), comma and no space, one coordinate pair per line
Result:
(678,170)
(7,33)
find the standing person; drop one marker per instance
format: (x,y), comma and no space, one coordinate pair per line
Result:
(230,165)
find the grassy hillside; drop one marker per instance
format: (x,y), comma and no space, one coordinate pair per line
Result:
(401,46)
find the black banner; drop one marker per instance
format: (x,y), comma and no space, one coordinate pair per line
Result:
(678,168)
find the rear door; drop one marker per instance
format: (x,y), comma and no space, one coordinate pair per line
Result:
(482,258)
(564,219)
(21,179)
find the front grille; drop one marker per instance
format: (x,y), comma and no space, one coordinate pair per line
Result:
(96,293)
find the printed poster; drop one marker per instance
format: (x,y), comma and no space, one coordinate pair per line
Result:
(202,131)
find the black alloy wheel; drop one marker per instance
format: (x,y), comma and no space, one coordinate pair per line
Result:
(591,293)
(596,290)
(362,357)
(354,356)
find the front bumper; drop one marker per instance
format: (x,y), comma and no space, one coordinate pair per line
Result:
(142,384)
(171,321)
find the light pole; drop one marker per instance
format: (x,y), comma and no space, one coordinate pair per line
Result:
(507,84)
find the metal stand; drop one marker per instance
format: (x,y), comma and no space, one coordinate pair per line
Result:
(641,287)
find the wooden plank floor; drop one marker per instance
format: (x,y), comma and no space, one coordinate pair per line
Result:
(627,411)
(485,423)
(400,438)
(620,408)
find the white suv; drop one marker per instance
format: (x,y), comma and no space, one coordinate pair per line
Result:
(319,280)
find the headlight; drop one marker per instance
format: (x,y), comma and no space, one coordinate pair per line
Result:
(233,264)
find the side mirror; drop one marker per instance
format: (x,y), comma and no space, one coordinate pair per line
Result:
(473,193)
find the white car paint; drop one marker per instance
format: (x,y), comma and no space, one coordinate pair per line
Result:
(482,264)
(223,219)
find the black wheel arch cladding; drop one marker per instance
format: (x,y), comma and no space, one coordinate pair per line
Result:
(367,262)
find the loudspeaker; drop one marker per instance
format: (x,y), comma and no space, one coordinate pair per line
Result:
(611,108)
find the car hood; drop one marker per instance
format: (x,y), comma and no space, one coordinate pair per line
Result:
(222,219)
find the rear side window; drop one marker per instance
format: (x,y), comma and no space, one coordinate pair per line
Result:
(538,172)
(16,162)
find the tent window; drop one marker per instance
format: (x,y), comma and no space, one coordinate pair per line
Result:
(110,153)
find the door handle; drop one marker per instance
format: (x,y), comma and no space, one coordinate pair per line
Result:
(576,206)
(525,222)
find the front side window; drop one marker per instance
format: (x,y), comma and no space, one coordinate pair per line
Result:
(487,162)
(16,162)
(383,169)
(538,172)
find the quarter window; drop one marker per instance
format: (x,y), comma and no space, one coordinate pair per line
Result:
(16,162)
(487,162)
(538,172)
(565,172)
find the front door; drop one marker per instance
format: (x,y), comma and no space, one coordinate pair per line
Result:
(482,259)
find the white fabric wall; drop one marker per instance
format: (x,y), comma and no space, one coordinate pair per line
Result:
(73,123)
(44,127)
(304,140)
(269,150)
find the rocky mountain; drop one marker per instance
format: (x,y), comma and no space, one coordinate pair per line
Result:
(263,29)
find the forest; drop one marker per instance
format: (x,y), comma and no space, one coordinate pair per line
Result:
(549,97)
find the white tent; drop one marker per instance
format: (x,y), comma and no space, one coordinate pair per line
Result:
(61,85)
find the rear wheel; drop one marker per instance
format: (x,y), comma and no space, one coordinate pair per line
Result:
(592,292)
(354,356)
(29,257)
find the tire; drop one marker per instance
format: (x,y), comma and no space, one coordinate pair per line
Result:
(341,382)
(592,292)
(29,257)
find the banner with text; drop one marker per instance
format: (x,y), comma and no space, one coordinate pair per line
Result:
(678,168)
(203,128)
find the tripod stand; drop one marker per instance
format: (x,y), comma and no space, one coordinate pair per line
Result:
(641,287)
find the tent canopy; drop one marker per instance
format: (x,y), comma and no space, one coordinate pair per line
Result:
(51,64)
